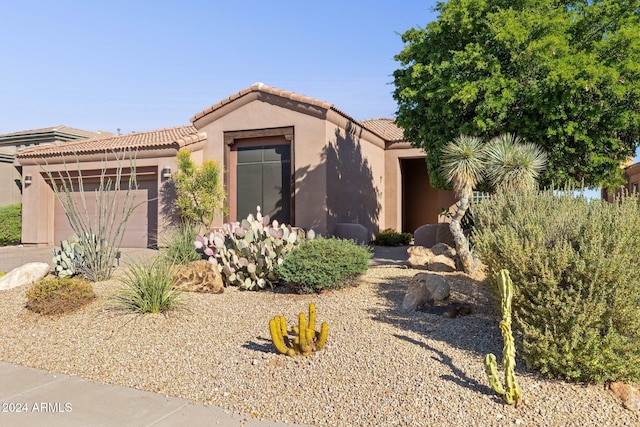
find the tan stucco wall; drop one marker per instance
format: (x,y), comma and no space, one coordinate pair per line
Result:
(355,175)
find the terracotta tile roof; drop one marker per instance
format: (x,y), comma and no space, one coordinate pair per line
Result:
(172,137)
(261,87)
(385,128)
(62,129)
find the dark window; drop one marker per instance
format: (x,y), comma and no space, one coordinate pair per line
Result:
(264,179)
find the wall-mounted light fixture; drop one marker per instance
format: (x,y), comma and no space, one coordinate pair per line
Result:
(166,172)
(27,180)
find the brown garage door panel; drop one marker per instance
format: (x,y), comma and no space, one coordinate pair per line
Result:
(139,231)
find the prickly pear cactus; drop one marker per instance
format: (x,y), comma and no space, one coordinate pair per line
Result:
(306,339)
(247,252)
(511,391)
(68,257)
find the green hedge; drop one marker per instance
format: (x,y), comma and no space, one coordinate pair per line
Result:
(321,263)
(575,267)
(11,220)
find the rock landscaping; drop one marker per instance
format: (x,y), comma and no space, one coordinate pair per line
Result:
(382,365)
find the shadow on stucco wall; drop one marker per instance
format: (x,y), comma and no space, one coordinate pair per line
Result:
(169,212)
(352,196)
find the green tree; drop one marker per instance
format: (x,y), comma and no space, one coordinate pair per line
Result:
(200,194)
(563,74)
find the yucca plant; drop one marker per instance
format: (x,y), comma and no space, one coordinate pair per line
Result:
(512,163)
(463,162)
(508,163)
(148,288)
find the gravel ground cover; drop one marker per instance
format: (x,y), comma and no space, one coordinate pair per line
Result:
(381,366)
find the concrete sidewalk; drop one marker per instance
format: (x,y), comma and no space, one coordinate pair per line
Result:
(31,397)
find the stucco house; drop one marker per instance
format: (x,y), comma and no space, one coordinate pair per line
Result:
(10,143)
(303,160)
(631,175)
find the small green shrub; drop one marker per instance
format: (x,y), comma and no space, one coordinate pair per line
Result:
(390,237)
(11,220)
(321,264)
(575,269)
(59,295)
(148,288)
(178,244)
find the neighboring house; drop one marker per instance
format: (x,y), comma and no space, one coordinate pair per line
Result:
(302,160)
(632,177)
(11,143)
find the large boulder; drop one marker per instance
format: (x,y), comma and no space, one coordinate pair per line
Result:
(425,235)
(443,234)
(419,257)
(628,394)
(425,288)
(355,232)
(441,258)
(198,276)
(25,275)
(444,249)
(442,264)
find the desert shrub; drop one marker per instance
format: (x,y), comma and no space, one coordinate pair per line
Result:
(390,237)
(11,220)
(200,193)
(59,295)
(148,288)
(178,244)
(100,234)
(323,264)
(575,269)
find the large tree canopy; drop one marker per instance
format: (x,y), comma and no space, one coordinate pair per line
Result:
(562,75)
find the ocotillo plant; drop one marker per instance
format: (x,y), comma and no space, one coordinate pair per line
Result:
(511,392)
(306,339)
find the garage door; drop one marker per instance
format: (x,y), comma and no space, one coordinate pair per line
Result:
(141,228)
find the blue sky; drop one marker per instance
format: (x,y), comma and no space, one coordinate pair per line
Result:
(144,65)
